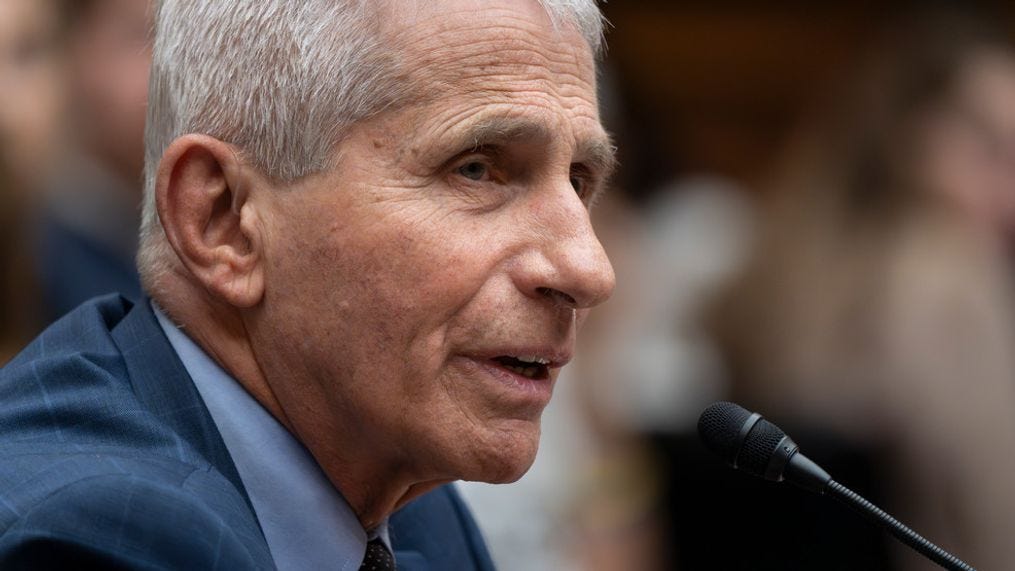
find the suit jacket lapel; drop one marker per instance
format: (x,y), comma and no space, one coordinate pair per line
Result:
(162,383)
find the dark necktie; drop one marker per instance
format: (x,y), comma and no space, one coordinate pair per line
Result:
(378,558)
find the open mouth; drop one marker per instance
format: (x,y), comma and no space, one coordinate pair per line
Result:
(528,367)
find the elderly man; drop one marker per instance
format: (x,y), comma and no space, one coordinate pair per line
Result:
(367,245)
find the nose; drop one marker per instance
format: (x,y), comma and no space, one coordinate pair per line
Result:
(567,264)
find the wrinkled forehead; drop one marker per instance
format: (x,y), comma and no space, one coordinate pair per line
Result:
(442,44)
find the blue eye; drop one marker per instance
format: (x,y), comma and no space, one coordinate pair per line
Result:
(474,170)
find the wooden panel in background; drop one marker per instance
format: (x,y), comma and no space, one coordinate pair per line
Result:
(717,86)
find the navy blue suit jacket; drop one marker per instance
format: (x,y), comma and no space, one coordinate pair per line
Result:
(109,459)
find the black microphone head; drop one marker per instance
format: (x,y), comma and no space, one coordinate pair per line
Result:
(759,447)
(744,440)
(719,428)
(750,443)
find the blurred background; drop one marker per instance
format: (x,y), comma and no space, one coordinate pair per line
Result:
(814,216)
(73,88)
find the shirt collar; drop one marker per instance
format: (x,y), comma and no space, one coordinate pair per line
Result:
(306,521)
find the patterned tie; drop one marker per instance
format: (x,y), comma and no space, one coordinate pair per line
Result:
(378,558)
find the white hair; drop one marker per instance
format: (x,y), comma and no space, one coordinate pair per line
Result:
(281,80)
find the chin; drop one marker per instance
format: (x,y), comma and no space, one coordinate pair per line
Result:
(503,460)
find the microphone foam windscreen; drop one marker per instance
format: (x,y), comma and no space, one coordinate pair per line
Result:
(759,446)
(719,428)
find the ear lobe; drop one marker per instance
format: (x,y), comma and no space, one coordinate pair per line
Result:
(203,200)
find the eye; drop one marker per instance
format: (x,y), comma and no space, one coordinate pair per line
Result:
(578,183)
(474,170)
(580,180)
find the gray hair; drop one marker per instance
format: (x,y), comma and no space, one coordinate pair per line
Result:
(281,80)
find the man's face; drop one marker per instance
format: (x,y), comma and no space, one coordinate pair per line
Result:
(422,295)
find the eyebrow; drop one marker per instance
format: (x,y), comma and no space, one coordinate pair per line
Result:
(600,154)
(597,153)
(502,130)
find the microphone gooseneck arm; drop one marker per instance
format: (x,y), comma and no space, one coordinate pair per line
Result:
(898,529)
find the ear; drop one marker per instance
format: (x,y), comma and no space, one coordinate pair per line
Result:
(203,198)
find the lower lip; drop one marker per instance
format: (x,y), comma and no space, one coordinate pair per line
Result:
(527,390)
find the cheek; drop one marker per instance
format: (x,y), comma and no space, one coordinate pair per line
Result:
(392,291)
(431,269)
(380,286)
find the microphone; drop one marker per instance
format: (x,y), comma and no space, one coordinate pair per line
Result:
(748,442)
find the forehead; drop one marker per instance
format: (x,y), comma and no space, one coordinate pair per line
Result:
(497,58)
(480,33)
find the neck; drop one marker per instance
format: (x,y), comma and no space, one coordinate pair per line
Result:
(220,331)
(374,487)
(371,474)
(373,508)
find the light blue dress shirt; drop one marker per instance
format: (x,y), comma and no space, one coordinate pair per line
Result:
(306,521)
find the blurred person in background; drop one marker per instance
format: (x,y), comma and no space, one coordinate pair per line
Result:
(31,99)
(878,303)
(31,89)
(87,235)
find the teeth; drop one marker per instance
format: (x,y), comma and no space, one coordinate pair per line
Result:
(530,366)
(533,359)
